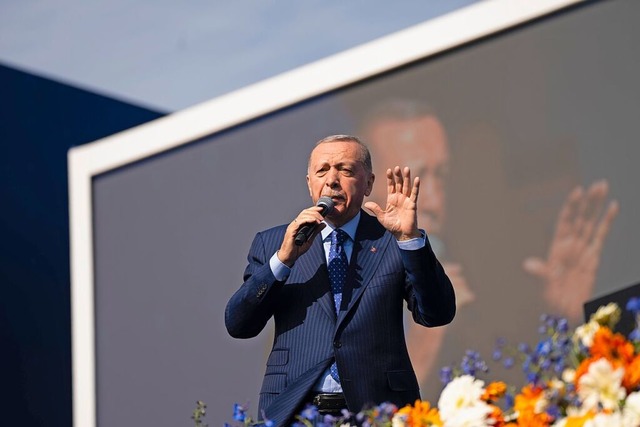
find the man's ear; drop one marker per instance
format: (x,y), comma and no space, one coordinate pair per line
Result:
(370,182)
(309,187)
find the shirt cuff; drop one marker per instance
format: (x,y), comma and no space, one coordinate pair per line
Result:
(413,244)
(279,270)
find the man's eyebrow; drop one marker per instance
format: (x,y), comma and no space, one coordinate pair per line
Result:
(348,163)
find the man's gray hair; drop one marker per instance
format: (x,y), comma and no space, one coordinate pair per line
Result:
(365,155)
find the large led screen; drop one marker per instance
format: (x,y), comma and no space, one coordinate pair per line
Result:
(527,146)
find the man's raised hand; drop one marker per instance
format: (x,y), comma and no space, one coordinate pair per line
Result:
(400,214)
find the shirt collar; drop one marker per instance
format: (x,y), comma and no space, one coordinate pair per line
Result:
(349,228)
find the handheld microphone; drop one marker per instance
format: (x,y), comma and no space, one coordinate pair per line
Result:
(307,230)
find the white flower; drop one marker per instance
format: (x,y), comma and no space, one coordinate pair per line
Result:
(474,416)
(399,420)
(556,384)
(608,315)
(576,411)
(541,404)
(585,333)
(562,422)
(460,403)
(601,385)
(631,411)
(605,420)
(569,375)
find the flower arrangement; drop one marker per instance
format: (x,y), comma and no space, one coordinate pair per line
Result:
(589,377)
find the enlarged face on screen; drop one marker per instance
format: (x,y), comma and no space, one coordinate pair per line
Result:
(336,170)
(421,144)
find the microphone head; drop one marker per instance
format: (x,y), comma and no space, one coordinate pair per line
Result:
(326,204)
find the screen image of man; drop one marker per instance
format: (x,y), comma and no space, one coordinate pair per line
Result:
(337,299)
(411,132)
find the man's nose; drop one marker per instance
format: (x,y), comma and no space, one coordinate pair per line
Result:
(333,179)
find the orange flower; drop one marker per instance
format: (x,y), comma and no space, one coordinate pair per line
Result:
(583,368)
(534,420)
(496,416)
(525,405)
(421,414)
(614,347)
(494,391)
(631,378)
(525,402)
(578,421)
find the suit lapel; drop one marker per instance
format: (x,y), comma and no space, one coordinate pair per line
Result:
(313,265)
(368,250)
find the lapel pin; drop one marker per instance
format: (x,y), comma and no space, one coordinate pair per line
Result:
(373,249)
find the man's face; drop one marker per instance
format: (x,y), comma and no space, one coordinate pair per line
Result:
(336,170)
(421,144)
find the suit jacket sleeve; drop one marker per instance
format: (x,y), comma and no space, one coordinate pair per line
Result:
(428,290)
(251,307)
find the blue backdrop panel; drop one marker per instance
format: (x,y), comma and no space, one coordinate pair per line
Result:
(40,120)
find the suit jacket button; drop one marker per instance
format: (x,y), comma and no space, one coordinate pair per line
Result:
(261,290)
(337,344)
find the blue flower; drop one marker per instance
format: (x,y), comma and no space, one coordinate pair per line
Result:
(575,401)
(524,348)
(239,413)
(526,364)
(468,368)
(564,342)
(446,375)
(551,322)
(508,362)
(388,409)
(563,325)
(509,400)
(310,412)
(633,305)
(543,348)
(481,366)
(554,411)
(329,419)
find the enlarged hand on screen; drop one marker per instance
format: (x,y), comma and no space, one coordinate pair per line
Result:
(399,215)
(569,272)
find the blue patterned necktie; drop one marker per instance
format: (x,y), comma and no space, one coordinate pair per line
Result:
(337,275)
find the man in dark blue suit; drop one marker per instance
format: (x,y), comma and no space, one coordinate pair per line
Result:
(342,345)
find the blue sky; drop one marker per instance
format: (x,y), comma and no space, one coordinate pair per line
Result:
(169,55)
